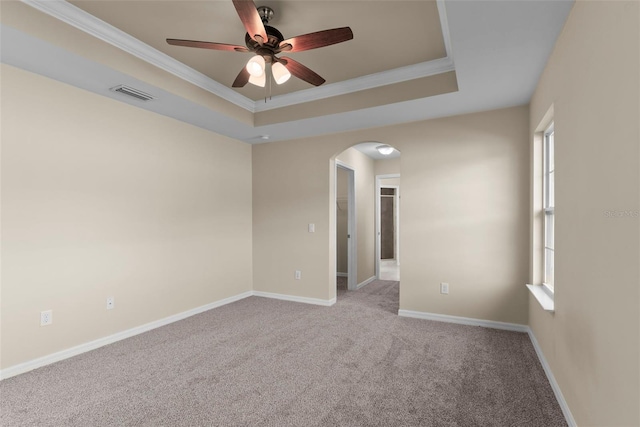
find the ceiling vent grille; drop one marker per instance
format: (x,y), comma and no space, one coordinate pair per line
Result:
(135,93)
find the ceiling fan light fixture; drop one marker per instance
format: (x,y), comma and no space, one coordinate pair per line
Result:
(266,42)
(258,80)
(280,73)
(256,66)
(384,149)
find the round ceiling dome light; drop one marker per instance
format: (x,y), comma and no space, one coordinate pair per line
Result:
(385,149)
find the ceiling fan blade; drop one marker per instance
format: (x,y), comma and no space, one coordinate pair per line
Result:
(302,72)
(242,79)
(251,20)
(207,45)
(318,39)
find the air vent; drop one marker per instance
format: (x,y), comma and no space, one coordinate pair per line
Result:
(135,93)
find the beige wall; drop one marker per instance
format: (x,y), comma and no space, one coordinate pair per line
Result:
(464,213)
(592,340)
(103,199)
(303,172)
(390,182)
(292,187)
(387,166)
(365,210)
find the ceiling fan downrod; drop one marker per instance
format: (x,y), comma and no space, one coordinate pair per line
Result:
(266,14)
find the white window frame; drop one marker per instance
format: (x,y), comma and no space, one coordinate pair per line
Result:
(548,185)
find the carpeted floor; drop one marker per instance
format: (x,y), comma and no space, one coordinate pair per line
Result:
(265,362)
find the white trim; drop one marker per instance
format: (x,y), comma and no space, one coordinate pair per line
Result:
(366,282)
(100,342)
(78,18)
(543,297)
(352,223)
(444,25)
(397,75)
(396,221)
(342,274)
(92,345)
(509,327)
(464,320)
(293,298)
(383,78)
(377,219)
(552,381)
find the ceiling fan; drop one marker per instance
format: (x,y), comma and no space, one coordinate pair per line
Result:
(267,42)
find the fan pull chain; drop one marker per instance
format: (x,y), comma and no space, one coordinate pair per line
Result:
(269,73)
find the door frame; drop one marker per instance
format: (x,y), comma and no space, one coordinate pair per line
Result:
(396,208)
(352,243)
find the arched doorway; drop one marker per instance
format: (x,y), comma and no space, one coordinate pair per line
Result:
(357,195)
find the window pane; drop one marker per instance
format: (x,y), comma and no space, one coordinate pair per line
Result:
(551,195)
(548,273)
(551,150)
(548,230)
(549,203)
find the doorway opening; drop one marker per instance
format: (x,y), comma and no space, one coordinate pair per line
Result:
(346,232)
(388,227)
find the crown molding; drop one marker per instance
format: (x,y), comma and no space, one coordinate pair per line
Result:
(396,75)
(444,27)
(78,18)
(383,78)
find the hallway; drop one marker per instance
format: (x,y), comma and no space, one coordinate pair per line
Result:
(389,270)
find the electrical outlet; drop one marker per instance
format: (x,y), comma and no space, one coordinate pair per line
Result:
(444,288)
(298,275)
(46,317)
(110,303)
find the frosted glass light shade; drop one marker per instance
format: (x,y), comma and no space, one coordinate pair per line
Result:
(280,73)
(385,150)
(255,66)
(258,80)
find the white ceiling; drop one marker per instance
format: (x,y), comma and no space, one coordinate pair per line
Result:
(370,149)
(498,49)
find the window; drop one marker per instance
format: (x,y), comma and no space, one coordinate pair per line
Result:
(548,185)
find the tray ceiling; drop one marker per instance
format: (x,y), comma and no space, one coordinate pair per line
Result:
(494,54)
(387,35)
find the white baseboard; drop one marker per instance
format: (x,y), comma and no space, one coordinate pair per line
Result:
(366,282)
(315,301)
(100,342)
(464,320)
(342,274)
(92,345)
(509,327)
(552,380)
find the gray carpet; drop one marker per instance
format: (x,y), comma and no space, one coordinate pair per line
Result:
(264,362)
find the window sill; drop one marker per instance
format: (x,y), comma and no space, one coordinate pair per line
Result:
(543,297)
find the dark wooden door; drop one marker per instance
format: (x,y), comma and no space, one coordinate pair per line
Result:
(387,224)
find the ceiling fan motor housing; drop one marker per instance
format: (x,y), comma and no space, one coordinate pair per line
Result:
(274,37)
